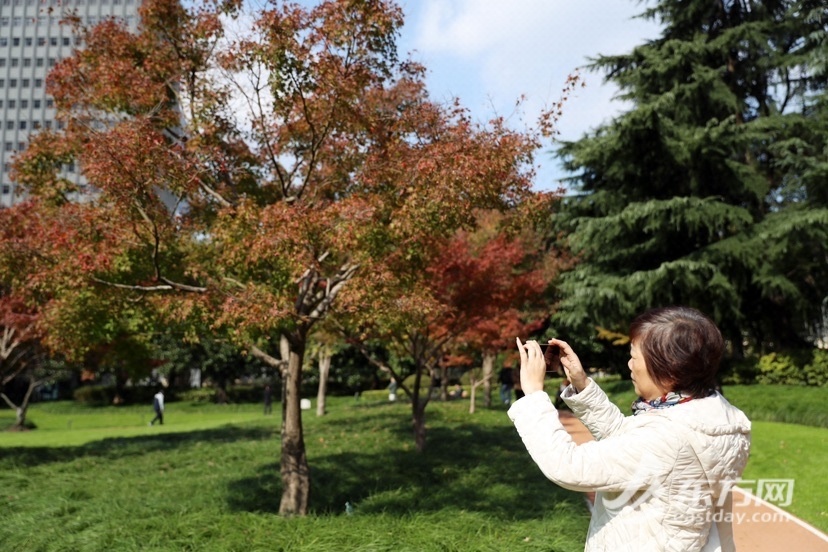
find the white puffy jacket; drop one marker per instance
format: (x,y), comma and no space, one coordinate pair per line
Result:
(661,477)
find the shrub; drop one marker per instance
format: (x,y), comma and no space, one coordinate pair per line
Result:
(816,371)
(94,395)
(739,371)
(202,395)
(234,394)
(791,368)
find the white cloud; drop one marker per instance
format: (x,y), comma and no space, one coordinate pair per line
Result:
(490,52)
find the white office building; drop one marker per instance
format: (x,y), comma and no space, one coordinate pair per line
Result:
(31,41)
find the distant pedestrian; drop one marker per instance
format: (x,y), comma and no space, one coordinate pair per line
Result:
(392,390)
(516,383)
(158,406)
(507,382)
(268,400)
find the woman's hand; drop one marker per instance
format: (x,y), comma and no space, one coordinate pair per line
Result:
(532,366)
(571,364)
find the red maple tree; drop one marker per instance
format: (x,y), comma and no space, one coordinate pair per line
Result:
(248,183)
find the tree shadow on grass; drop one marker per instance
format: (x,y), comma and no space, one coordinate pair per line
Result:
(121,447)
(467,467)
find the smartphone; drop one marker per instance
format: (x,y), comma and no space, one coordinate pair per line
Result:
(552,357)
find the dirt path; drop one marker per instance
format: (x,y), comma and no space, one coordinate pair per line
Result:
(758,526)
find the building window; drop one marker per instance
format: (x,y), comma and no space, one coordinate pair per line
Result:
(65,41)
(27,62)
(39,62)
(38,83)
(21,125)
(47,124)
(2,83)
(15,42)
(50,102)
(4,41)
(15,62)
(2,62)
(12,104)
(8,146)
(9,125)
(53,41)
(25,83)
(36,104)
(28,40)
(6,189)
(41,41)
(12,83)
(24,104)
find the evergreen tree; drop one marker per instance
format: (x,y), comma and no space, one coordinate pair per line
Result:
(712,190)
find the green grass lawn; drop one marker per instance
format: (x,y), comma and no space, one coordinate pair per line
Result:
(100,479)
(209,480)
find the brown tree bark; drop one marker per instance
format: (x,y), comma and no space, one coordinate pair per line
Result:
(324,370)
(488,375)
(294,470)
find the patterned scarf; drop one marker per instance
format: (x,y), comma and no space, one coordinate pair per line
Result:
(666,401)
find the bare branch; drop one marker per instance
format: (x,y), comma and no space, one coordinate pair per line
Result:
(266,358)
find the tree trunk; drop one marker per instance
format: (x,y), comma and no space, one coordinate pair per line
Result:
(419,400)
(295,471)
(488,376)
(21,410)
(324,370)
(472,393)
(419,425)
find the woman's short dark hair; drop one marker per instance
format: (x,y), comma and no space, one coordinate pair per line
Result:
(681,348)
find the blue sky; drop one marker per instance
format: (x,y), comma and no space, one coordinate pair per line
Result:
(490,52)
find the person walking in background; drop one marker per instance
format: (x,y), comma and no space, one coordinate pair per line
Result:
(158,406)
(392,390)
(507,382)
(268,400)
(519,394)
(662,476)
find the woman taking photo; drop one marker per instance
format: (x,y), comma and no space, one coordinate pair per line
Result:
(662,476)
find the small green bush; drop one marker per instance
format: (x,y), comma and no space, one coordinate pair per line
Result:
(235,395)
(796,367)
(101,395)
(816,371)
(94,395)
(739,371)
(202,395)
